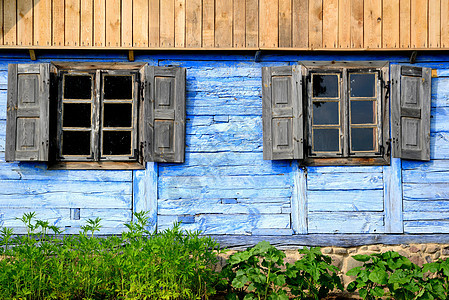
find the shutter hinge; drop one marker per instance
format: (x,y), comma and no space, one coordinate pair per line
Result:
(386,149)
(387,89)
(142,86)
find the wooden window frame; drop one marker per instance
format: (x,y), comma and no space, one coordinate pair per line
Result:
(381,156)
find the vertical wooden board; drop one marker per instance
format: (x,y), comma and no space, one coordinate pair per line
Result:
(300,23)
(357,23)
(1,23)
(330,23)
(157,18)
(252,23)
(269,23)
(299,199)
(372,23)
(444,23)
(24,22)
(167,23)
(58,19)
(419,24)
(315,24)
(42,23)
(239,27)
(99,23)
(390,24)
(208,40)
(86,34)
(285,23)
(435,23)
(140,23)
(193,23)
(113,10)
(72,22)
(404,23)
(145,192)
(180,23)
(10,24)
(344,24)
(223,23)
(127,23)
(393,197)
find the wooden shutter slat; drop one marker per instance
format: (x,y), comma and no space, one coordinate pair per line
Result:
(411,112)
(164,114)
(27,136)
(282,113)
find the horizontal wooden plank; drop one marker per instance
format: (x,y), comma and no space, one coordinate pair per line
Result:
(344,181)
(353,200)
(439,145)
(418,176)
(426,216)
(345,222)
(345,169)
(426,226)
(185,170)
(429,191)
(426,166)
(426,206)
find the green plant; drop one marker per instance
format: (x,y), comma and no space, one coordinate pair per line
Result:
(313,276)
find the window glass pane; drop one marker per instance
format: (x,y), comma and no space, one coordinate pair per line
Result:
(118,87)
(325,86)
(76,143)
(117,115)
(362,139)
(362,112)
(116,142)
(325,113)
(362,85)
(326,140)
(76,115)
(77,87)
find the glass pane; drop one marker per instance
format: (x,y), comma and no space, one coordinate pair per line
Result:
(76,143)
(362,112)
(118,87)
(77,87)
(76,115)
(325,86)
(363,85)
(117,115)
(326,140)
(362,139)
(116,142)
(325,113)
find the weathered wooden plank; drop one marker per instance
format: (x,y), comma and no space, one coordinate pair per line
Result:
(72,22)
(352,200)
(42,23)
(239,29)
(432,191)
(344,24)
(330,23)
(220,170)
(439,145)
(219,224)
(444,23)
(419,24)
(372,24)
(440,90)
(435,23)
(425,176)
(113,23)
(345,169)
(180,23)
(223,23)
(346,222)
(390,24)
(86,34)
(393,197)
(357,23)
(413,209)
(167,23)
(193,23)
(281,201)
(425,167)
(269,23)
(145,187)
(57,23)
(161,22)
(285,23)
(300,23)
(126,23)
(405,25)
(140,23)
(426,216)
(437,226)
(252,23)
(299,200)
(208,39)
(24,22)
(439,121)
(100,22)
(2,31)
(344,181)
(315,24)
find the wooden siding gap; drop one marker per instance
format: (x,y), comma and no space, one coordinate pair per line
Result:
(357,24)
(99,23)
(390,24)
(252,23)
(239,25)
(315,24)
(300,26)
(330,23)
(372,24)
(112,21)
(161,23)
(269,23)
(127,23)
(180,23)
(435,23)
(140,23)
(223,23)
(58,23)
(208,39)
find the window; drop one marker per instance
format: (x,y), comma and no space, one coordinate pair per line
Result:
(95,116)
(328,113)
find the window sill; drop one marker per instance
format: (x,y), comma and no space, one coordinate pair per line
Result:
(347,161)
(106,165)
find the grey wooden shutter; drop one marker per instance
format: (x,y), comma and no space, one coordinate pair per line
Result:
(411,112)
(282,114)
(164,114)
(27,129)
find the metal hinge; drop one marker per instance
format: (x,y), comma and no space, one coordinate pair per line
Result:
(387,89)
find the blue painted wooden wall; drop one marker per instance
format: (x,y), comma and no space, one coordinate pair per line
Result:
(225,187)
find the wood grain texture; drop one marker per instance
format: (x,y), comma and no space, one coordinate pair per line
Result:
(127,23)
(372,24)
(357,25)
(72,22)
(405,23)
(444,23)
(268,23)
(193,23)
(180,23)
(208,39)
(223,23)
(86,35)
(346,222)
(435,23)
(330,23)
(161,22)
(113,23)
(393,197)
(140,23)
(419,23)
(42,23)
(390,24)
(145,187)
(99,23)
(239,24)
(315,24)
(285,23)
(344,24)
(252,23)
(300,23)
(24,22)
(299,200)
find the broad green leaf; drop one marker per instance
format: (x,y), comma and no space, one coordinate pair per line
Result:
(378,276)
(361,257)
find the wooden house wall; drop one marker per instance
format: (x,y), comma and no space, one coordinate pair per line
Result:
(224,186)
(225,24)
